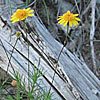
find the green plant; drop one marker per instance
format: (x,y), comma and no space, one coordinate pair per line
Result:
(35,91)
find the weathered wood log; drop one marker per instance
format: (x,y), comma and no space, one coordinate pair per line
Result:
(73,79)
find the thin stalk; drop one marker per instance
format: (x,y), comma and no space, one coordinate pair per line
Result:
(58,59)
(10,7)
(9,3)
(11,54)
(48,18)
(25,27)
(27,2)
(28,67)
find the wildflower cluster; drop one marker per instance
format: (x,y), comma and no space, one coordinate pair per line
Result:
(67,18)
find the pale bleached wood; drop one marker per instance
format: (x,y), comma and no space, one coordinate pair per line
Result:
(92,33)
(19,64)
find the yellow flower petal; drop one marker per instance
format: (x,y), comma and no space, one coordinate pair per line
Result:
(28,9)
(59,18)
(77,19)
(13,15)
(68,12)
(76,14)
(30,15)
(70,18)
(15,21)
(31,11)
(75,23)
(21,14)
(61,22)
(65,23)
(13,18)
(18,10)
(70,24)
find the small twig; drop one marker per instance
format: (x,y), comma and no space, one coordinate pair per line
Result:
(86,10)
(77,7)
(92,33)
(31,4)
(96,40)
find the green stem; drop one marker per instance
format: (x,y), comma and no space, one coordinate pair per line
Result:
(9,3)
(66,36)
(25,27)
(27,2)
(10,7)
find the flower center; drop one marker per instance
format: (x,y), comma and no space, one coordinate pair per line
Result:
(69,17)
(21,14)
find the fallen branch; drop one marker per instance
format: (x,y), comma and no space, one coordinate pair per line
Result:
(92,33)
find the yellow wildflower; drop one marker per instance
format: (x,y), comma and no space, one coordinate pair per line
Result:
(69,18)
(21,14)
